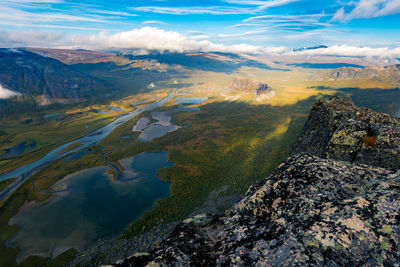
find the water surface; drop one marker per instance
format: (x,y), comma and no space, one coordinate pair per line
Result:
(26,171)
(77,155)
(54,116)
(141,124)
(190,100)
(114,108)
(162,125)
(94,207)
(18,149)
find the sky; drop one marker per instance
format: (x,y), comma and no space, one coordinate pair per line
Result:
(264,26)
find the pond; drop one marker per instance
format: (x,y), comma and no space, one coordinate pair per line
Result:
(77,155)
(53,116)
(116,109)
(190,100)
(18,149)
(162,125)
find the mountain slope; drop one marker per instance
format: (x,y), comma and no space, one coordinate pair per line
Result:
(72,56)
(34,75)
(379,73)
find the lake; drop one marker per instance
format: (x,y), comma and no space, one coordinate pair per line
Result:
(93,207)
(162,125)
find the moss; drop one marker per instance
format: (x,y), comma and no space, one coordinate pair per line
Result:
(360,236)
(384,245)
(338,246)
(313,243)
(386,229)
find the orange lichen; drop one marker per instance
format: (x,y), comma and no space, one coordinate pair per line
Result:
(370,141)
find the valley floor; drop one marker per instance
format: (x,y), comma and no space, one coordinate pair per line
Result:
(224,144)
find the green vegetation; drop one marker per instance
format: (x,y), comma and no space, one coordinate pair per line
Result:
(5,183)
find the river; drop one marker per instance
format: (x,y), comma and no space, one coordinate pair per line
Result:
(25,172)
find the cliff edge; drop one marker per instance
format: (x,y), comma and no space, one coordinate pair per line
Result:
(337,129)
(329,204)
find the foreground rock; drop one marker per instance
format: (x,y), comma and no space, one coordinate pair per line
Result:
(311,211)
(337,129)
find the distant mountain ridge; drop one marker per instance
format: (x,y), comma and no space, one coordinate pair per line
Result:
(44,78)
(388,73)
(72,56)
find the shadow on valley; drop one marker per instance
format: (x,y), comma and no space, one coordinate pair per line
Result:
(216,62)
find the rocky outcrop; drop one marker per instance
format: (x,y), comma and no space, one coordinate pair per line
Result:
(337,129)
(311,211)
(248,85)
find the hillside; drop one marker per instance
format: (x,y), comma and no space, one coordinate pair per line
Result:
(45,78)
(72,56)
(310,211)
(389,73)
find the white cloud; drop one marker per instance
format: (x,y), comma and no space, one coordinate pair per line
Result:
(43,13)
(286,17)
(34,1)
(262,4)
(217,10)
(340,15)
(212,10)
(368,9)
(153,22)
(5,93)
(151,38)
(11,15)
(31,38)
(145,38)
(241,34)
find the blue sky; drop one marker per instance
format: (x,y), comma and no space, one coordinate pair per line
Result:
(255,23)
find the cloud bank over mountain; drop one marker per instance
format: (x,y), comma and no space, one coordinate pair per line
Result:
(155,39)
